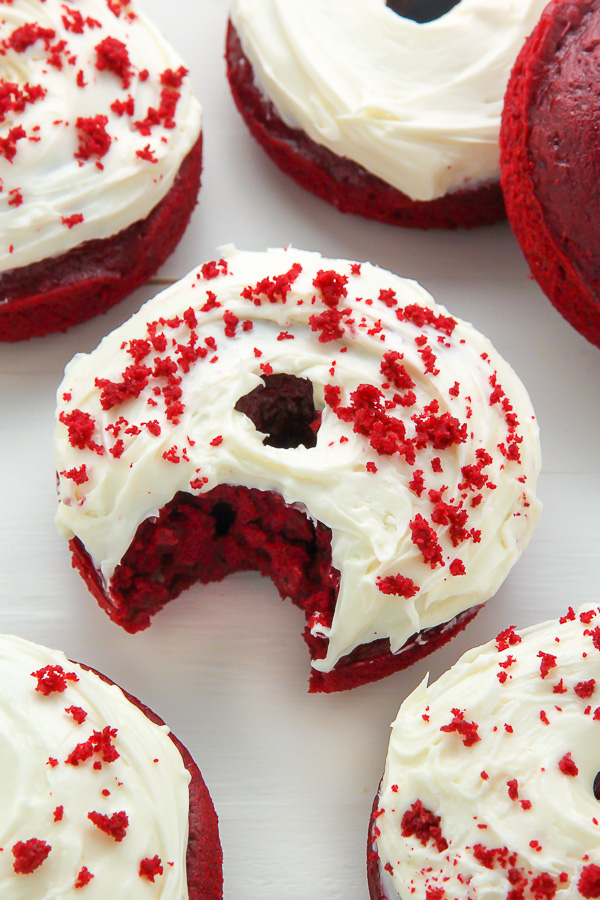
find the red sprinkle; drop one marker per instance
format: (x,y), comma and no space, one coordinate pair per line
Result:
(115,826)
(150,868)
(84,877)
(398,585)
(29,855)
(467,730)
(548,662)
(53,679)
(567,766)
(589,882)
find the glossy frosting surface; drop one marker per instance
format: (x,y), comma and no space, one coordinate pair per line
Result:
(513,792)
(429,506)
(64,183)
(47,798)
(418,105)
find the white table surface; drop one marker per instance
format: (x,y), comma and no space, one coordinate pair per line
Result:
(292,775)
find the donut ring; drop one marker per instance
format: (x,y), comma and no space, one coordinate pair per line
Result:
(380,115)
(491,784)
(321,421)
(100,159)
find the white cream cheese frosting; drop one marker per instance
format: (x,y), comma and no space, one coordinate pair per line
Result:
(489,781)
(53,776)
(418,105)
(429,506)
(68,69)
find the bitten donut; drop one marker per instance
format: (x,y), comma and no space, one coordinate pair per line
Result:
(491,787)
(550,159)
(100,159)
(96,792)
(384,116)
(321,421)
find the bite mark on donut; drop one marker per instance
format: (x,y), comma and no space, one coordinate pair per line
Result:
(235,529)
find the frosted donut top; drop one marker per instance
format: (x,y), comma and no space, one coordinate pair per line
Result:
(419,105)
(489,783)
(427,452)
(94,794)
(96,117)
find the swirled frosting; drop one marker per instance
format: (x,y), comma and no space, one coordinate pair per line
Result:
(418,105)
(72,745)
(427,452)
(96,117)
(489,787)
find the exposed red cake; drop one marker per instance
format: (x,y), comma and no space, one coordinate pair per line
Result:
(551,162)
(56,293)
(236,529)
(204,855)
(340,181)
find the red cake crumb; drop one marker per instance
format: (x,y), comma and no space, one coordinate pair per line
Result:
(29,855)
(84,877)
(78,713)
(51,679)
(150,868)
(585,689)
(467,730)
(398,585)
(99,743)
(567,766)
(547,664)
(589,882)
(113,55)
(115,826)
(424,825)
(58,813)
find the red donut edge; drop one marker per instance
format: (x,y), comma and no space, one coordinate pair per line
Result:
(549,265)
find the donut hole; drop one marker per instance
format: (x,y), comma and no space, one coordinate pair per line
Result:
(597,786)
(421,10)
(283,409)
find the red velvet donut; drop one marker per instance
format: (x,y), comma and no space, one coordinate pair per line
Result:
(550,159)
(100,159)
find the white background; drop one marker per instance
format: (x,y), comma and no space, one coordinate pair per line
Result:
(292,775)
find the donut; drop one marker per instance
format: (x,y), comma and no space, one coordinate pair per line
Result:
(100,159)
(550,168)
(379,109)
(320,421)
(97,793)
(491,784)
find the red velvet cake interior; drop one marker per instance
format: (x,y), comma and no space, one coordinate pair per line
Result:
(236,529)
